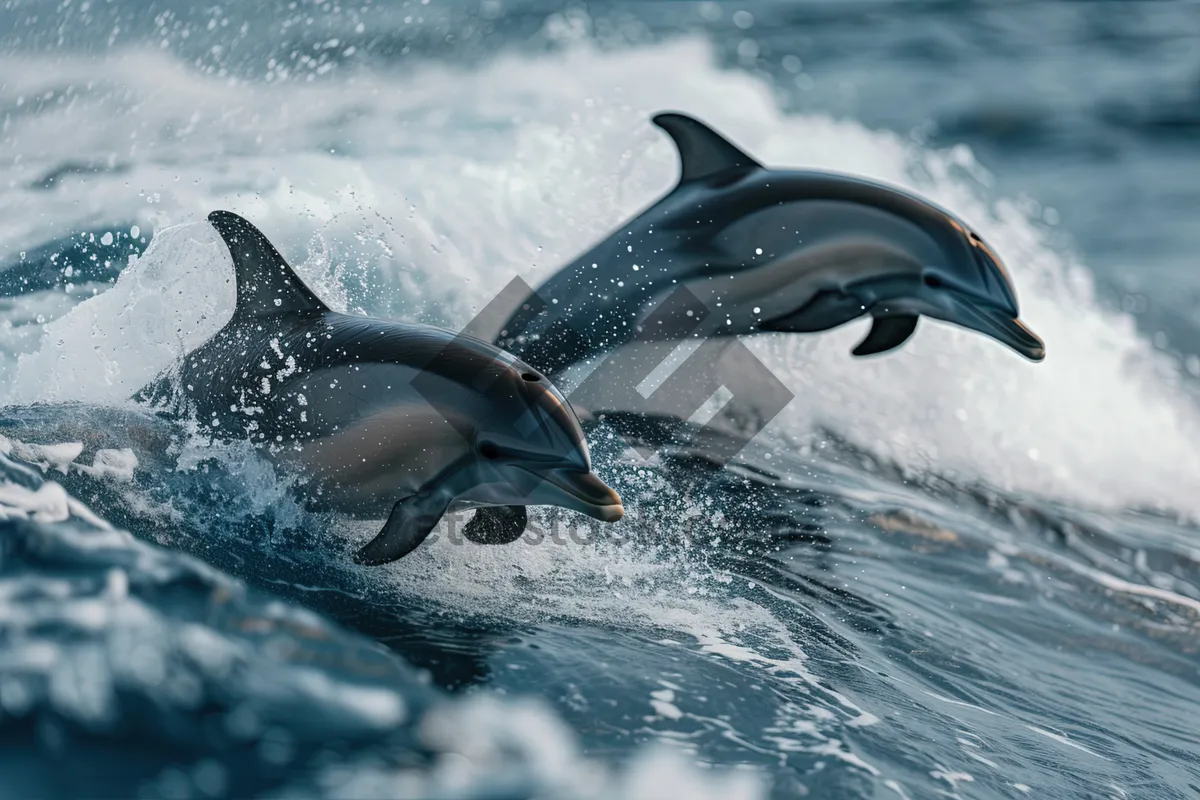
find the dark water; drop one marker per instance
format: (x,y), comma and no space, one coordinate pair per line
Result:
(943,573)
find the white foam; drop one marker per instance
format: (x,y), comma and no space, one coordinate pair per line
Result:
(108,347)
(487,735)
(47,504)
(106,463)
(111,463)
(647,589)
(47,456)
(452,181)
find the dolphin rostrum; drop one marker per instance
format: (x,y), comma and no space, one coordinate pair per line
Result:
(771,250)
(381,418)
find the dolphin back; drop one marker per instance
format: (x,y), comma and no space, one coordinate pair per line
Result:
(267,286)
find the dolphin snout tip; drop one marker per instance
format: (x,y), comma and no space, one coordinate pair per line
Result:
(1035,354)
(1032,350)
(1001,325)
(610,513)
(606,504)
(1026,342)
(583,491)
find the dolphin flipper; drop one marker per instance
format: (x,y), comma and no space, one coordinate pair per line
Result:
(407,526)
(886,334)
(702,151)
(496,525)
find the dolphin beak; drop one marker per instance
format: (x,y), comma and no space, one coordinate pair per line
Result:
(579,491)
(1001,326)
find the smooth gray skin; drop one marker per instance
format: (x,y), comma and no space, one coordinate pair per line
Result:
(381,417)
(772,250)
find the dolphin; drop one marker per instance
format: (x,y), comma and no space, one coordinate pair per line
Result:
(381,418)
(771,250)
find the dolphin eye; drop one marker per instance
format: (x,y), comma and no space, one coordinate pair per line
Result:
(932,280)
(489,450)
(529,376)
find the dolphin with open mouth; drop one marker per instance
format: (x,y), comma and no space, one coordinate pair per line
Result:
(772,250)
(381,418)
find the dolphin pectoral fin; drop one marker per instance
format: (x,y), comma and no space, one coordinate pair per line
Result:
(887,333)
(702,151)
(496,525)
(407,526)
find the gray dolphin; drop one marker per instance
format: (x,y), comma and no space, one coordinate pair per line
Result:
(772,250)
(381,418)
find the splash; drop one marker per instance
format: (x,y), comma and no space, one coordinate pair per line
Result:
(439,194)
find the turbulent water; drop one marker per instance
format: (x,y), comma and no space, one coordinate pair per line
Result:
(942,572)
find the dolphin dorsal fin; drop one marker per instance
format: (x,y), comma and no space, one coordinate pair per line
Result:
(702,151)
(266,284)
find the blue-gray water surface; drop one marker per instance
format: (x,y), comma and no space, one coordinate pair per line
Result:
(944,572)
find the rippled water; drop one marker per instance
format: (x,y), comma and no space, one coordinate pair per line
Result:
(943,571)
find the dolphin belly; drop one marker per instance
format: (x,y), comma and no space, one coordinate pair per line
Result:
(806,288)
(365,466)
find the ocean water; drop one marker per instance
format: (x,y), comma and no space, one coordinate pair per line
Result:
(943,572)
